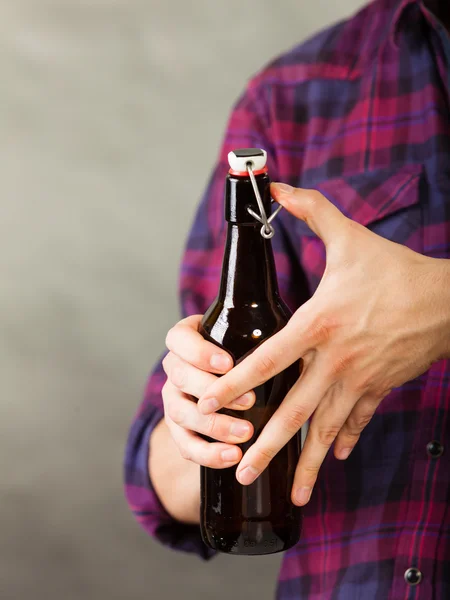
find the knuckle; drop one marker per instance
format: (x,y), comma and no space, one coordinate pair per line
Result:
(229,388)
(327,435)
(265,366)
(320,329)
(213,460)
(311,471)
(169,337)
(266,454)
(197,356)
(177,376)
(165,363)
(295,419)
(363,420)
(357,422)
(351,432)
(351,429)
(184,453)
(362,385)
(165,392)
(341,364)
(176,414)
(200,359)
(175,335)
(211,424)
(193,321)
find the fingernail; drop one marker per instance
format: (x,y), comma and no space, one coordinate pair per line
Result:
(220,362)
(245,400)
(303,495)
(247,475)
(284,188)
(344,453)
(239,429)
(230,455)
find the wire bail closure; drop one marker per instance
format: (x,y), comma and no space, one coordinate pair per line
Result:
(267,230)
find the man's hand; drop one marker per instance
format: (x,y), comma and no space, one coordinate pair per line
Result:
(380,317)
(189,367)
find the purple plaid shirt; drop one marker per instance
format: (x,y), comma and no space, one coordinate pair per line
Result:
(361,113)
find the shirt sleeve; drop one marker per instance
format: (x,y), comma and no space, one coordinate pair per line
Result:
(248,126)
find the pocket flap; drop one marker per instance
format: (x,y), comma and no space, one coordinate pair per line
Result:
(369,196)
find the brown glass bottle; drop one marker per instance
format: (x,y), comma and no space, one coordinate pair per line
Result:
(259,518)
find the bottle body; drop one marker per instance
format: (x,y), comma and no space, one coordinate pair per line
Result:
(259,518)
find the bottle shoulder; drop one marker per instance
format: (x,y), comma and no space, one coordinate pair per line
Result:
(240,329)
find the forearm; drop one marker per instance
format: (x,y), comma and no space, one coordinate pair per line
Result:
(441,282)
(176,480)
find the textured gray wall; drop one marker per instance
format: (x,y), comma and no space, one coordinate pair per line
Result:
(104,106)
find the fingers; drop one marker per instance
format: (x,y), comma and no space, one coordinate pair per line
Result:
(224,428)
(191,446)
(182,411)
(321,216)
(269,359)
(201,452)
(324,427)
(295,410)
(358,419)
(185,341)
(195,382)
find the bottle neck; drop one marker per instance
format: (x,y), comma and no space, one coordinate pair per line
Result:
(248,272)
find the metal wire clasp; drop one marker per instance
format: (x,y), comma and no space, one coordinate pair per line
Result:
(267,230)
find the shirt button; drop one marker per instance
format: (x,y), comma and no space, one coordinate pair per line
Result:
(435,449)
(413,576)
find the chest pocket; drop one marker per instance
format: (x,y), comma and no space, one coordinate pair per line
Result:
(386,201)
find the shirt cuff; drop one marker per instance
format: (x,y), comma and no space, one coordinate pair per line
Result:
(142,498)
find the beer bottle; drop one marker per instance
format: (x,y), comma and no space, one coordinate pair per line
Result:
(259,518)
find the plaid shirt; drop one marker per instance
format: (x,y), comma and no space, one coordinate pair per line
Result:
(361,113)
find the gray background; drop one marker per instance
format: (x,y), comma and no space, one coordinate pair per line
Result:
(104,107)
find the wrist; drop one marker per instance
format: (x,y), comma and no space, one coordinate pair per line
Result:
(175,480)
(446,286)
(440,280)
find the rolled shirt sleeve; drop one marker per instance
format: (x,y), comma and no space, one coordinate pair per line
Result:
(141,496)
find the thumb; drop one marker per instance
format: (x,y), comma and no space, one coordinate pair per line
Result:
(321,216)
